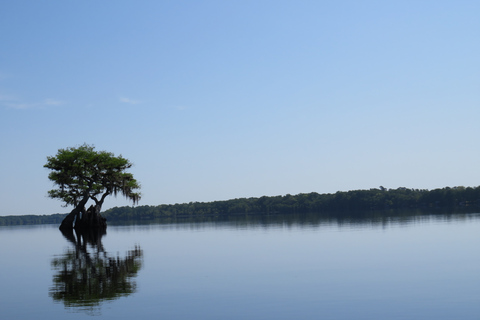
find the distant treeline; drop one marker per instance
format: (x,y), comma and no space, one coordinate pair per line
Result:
(339,202)
(32,219)
(331,204)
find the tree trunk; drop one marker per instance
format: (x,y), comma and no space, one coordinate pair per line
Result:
(89,219)
(68,221)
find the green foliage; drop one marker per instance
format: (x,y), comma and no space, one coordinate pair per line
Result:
(83,172)
(337,203)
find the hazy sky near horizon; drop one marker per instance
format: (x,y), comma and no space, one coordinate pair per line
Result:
(215,100)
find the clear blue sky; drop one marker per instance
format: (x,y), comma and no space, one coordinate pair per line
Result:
(215,100)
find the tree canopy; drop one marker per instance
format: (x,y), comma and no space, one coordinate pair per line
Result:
(81,173)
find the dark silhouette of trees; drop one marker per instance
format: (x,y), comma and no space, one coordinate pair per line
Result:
(336,203)
(464,198)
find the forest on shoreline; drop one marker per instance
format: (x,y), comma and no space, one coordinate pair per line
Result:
(355,202)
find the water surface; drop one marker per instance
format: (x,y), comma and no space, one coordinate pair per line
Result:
(294,267)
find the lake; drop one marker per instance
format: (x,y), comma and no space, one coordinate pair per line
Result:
(290,267)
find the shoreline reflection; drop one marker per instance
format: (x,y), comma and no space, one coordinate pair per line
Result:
(348,220)
(87,275)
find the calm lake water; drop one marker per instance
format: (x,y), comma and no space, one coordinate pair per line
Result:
(425,267)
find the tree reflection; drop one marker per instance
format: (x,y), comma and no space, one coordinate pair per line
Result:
(87,275)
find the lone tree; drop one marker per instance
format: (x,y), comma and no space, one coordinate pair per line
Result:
(82,174)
